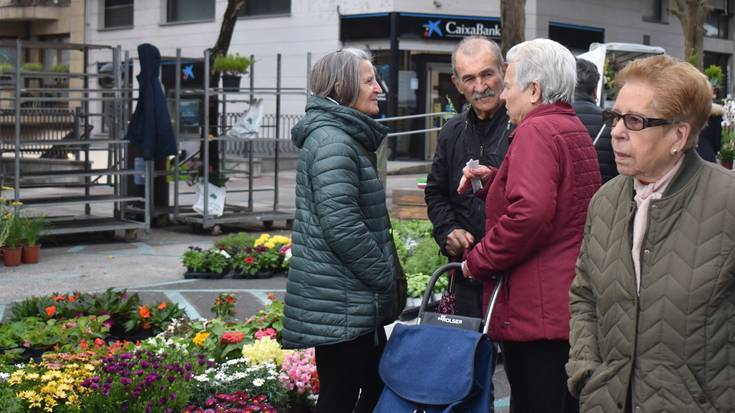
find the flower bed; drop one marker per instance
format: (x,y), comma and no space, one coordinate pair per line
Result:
(190,366)
(241,255)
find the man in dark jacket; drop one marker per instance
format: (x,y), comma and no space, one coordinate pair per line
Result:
(477,133)
(591,116)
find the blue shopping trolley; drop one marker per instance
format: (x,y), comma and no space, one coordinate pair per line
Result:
(443,364)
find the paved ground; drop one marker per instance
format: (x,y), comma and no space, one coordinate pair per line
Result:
(152,267)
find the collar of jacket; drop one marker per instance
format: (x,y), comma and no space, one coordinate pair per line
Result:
(557,108)
(471,117)
(689,167)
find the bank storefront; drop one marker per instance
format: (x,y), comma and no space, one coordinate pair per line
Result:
(412,54)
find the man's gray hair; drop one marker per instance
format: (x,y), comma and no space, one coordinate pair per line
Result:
(337,75)
(550,64)
(473,45)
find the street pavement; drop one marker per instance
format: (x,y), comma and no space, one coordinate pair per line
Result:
(152,265)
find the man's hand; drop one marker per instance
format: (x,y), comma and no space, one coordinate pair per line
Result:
(458,241)
(483,172)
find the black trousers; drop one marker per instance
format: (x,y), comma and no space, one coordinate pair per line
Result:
(348,371)
(538,381)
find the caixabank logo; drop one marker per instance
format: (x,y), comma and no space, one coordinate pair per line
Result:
(452,28)
(431,27)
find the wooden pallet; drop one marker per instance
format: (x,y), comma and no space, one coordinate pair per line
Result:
(408,204)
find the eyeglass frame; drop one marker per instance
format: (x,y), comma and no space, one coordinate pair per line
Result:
(610,116)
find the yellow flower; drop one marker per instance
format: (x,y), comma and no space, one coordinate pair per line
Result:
(281,240)
(200,337)
(263,350)
(270,244)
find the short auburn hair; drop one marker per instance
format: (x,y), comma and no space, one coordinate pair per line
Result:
(681,92)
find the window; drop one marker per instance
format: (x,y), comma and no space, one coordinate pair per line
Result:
(117,13)
(655,11)
(253,8)
(716,24)
(189,10)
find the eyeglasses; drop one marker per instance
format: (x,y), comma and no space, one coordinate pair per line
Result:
(632,121)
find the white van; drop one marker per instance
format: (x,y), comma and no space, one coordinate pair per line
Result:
(609,59)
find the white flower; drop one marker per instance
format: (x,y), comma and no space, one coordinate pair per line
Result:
(224,253)
(4,376)
(258,382)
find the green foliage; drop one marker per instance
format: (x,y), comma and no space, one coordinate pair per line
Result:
(9,403)
(31,228)
(727,151)
(231,64)
(6,68)
(693,59)
(14,231)
(211,260)
(417,284)
(60,68)
(426,258)
(715,75)
(31,67)
(34,332)
(234,243)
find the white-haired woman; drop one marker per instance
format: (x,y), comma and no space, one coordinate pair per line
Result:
(535,212)
(341,275)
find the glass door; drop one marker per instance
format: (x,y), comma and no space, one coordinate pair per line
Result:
(441,96)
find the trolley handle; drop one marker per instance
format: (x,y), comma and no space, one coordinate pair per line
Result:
(499,278)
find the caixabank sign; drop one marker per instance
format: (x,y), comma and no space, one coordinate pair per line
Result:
(418,25)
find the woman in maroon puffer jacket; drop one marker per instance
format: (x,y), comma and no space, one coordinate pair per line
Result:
(536,206)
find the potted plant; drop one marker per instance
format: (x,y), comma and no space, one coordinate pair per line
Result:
(727,154)
(231,66)
(12,251)
(211,263)
(31,227)
(60,68)
(6,72)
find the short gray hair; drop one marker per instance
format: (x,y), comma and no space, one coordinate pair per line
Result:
(337,75)
(550,64)
(472,45)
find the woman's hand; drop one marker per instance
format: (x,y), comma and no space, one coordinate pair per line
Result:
(484,173)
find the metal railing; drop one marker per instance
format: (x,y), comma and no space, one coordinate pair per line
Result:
(30,3)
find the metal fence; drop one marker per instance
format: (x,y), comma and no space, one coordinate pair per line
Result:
(38,124)
(267,130)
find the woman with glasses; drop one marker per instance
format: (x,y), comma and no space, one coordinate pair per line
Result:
(534,221)
(653,301)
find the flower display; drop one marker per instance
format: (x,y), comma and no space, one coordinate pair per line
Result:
(265,350)
(298,372)
(50,385)
(224,306)
(141,381)
(266,332)
(240,375)
(237,402)
(200,338)
(232,337)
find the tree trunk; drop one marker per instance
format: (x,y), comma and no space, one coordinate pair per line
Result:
(221,46)
(692,15)
(513,19)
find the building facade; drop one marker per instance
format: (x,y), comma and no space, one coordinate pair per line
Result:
(411,40)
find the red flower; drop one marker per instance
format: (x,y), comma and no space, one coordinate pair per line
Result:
(249,260)
(232,337)
(144,311)
(58,297)
(230,299)
(162,306)
(50,310)
(72,298)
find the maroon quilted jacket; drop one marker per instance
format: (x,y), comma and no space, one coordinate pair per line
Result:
(535,213)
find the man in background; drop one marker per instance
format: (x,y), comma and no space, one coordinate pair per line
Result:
(591,116)
(480,133)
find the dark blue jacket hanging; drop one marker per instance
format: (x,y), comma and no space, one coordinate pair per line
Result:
(150,127)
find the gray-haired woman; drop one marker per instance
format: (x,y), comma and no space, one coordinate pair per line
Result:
(535,211)
(341,276)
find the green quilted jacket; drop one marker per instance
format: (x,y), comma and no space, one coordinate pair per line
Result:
(341,276)
(674,343)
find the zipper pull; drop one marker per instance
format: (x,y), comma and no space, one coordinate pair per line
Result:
(482,150)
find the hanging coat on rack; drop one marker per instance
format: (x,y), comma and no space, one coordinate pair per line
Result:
(150,127)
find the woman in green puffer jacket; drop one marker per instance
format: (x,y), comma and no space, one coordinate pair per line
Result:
(341,276)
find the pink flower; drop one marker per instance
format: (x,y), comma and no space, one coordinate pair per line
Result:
(268,332)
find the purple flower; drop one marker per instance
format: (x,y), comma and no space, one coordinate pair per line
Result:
(139,372)
(171,379)
(162,401)
(125,381)
(144,364)
(94,386)
(96,379)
